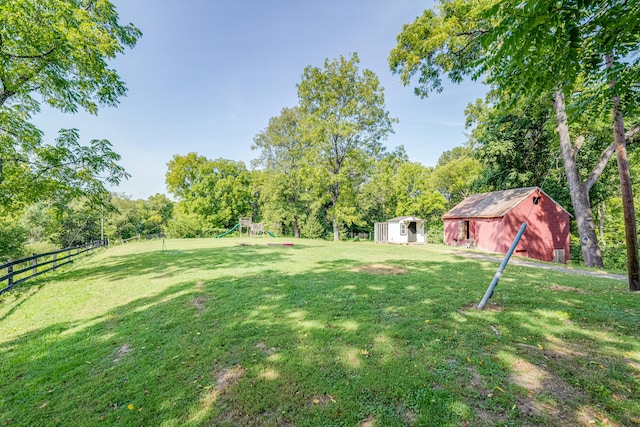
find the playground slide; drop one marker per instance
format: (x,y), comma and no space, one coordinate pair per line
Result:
(228,232)
(271,234)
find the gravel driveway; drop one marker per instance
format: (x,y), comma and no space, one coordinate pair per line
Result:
(528,262)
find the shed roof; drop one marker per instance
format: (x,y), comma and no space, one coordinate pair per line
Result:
(405,219)
(492,205)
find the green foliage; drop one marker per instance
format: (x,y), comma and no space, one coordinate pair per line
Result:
(312,228)
(56,52)
(283,184)
(75,224)
(13,238)
(445,40)
(345,122)
(218,192)
(37,220)
(455,174)
(378,198)
(516,145)
(415,193)
(184,225)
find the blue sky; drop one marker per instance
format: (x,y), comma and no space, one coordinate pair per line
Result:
(207,75)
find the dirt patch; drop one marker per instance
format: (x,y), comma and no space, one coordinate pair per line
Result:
(322,400)
(122,351)
(547,395)
(380,269)
(490,417)
(199,302)
(368,422)
(567,289)
(225,379)
(265,348)
(410,416)
(489,306)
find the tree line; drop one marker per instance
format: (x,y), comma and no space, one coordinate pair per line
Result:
(563,101)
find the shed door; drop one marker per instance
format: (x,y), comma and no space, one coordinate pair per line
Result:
(411,232)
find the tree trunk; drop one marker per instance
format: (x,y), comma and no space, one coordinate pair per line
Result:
(577,190)
(334,199)
(296,227)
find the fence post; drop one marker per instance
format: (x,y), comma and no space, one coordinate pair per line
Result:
(68,254)
(34,263)
(55,263)
(138,237)
(10,274)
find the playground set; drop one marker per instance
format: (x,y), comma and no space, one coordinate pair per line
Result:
(252,229)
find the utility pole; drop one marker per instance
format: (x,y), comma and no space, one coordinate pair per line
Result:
(630,228)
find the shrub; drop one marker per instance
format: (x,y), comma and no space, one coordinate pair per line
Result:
(13,238)
(312,228)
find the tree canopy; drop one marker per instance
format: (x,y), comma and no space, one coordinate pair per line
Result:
(346,122)
(57,52)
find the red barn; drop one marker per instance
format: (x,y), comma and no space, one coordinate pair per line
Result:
(490,221)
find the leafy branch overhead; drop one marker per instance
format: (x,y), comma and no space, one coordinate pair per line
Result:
(57,52)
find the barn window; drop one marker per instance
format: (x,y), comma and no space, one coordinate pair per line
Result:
(403,229)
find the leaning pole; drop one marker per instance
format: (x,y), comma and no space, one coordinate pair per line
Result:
(505,261)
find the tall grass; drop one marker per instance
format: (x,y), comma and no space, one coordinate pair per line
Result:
(212,332)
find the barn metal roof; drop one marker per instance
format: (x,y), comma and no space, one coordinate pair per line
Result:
(492,205)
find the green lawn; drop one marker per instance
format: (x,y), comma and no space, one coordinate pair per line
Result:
(211,332)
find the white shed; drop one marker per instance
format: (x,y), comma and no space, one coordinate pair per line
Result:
(401,230)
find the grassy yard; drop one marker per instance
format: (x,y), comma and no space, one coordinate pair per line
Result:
(211,332)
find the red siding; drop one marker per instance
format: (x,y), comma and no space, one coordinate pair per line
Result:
(547,230)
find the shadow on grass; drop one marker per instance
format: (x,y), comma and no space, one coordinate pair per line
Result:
(328,346)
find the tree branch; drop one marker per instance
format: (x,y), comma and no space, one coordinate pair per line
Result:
(605,156)
(37,56)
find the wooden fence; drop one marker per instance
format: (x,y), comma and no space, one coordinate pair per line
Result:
(26,268)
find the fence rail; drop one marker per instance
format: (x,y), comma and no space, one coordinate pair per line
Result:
(24,269)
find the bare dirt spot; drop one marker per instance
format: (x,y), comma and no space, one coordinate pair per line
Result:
(368,422)
(567,289)
(322,400)
(489,306)
(410,416)
(122,351)
(490,417)
(199,284)
(547,395)
(265,348)
(225,379)
(199,302)
(380,269)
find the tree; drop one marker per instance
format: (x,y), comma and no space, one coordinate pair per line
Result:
(282,157)
(378,198)
(56,52)
(415,194)
(455,174)
(346,121)
(75,223)
(217,191)
(525,50)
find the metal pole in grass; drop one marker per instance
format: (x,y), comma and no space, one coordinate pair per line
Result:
(494,282)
